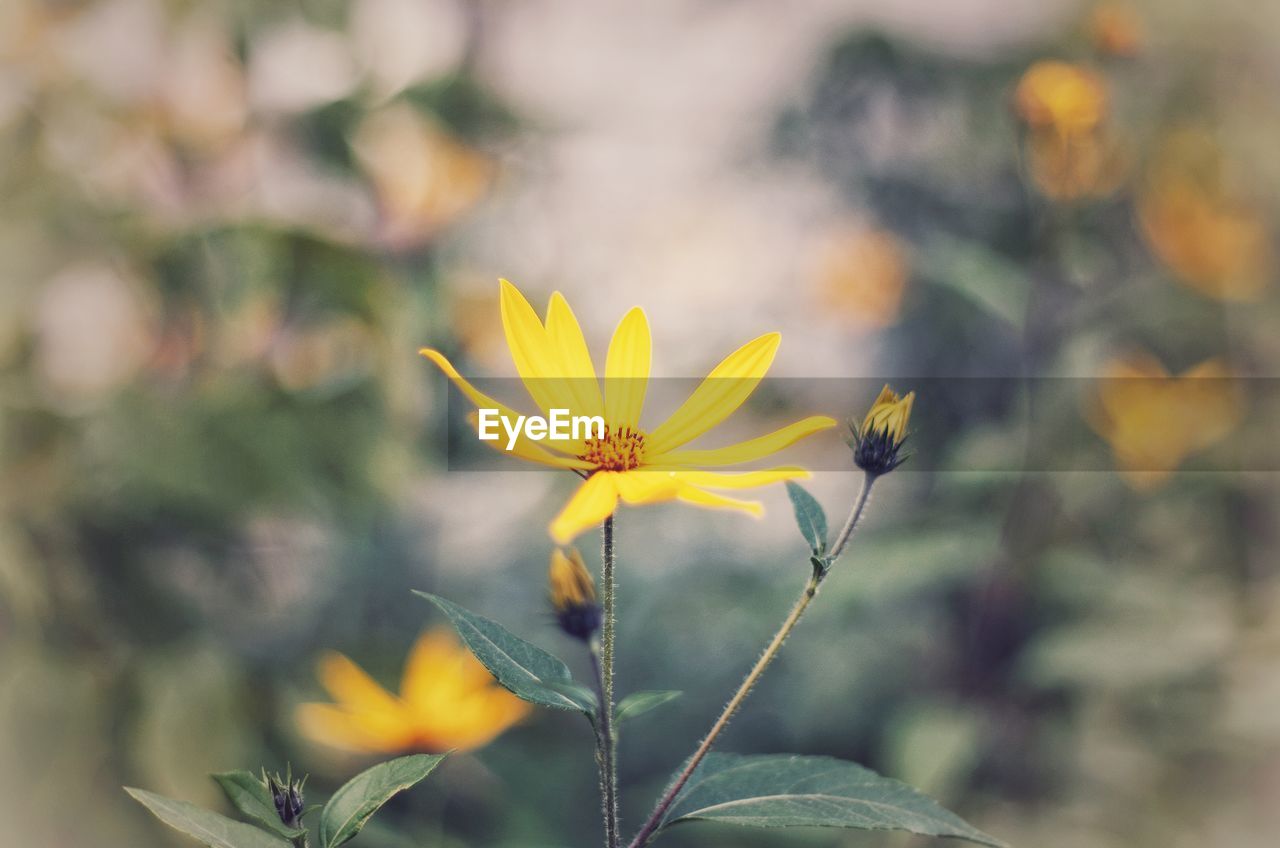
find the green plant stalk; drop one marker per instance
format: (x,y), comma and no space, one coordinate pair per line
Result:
(602,659)
(654,821)
(605,752)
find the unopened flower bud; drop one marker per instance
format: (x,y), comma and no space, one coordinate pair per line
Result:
(573,595)
(286,793)
(884,430)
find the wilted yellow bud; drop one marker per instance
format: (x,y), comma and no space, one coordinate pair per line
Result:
(573,595)
(877,441)
(1060,96)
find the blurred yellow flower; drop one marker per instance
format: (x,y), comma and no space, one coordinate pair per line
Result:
(424,178)
(1153,421)
(1203,226)
(570,582)
(1115,29)
(573,595)
(1076,167)
(862,276)
(1062,97)
(447,701)
(628,463)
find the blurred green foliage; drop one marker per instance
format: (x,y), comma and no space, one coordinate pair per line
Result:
(221,456)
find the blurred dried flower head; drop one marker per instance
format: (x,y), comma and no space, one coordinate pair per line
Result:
(862,276)
(1075,167)
(93,331)
(323,355)
(1154,421)
(1115,29)
(1202,223)
(424,178)
(1061,97)
(447,701)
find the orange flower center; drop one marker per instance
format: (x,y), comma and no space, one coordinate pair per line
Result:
(619,450)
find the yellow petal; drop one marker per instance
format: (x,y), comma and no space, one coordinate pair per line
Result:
(645,487)
(721,393)
(360,733)
(745,480)
(594,501)
(626,370)
(701,497)
(479,398)
(348,684)
(535,359)
(575,360)
(527,449)
(438,669)
(749,450)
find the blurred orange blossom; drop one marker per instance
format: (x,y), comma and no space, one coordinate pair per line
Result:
(1153,421)
(628,463)
(447,701)
(1065,98)
(1115,29)
(1204,225)
(862,276)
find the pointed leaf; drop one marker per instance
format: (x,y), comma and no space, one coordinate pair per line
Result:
(522,667)
(248,795)
(208,828)
(363,795)
(785,790)
(639,703)
(810,517)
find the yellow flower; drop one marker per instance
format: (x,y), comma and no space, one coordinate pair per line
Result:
(627,462)
(447,701)
(863,275)
(1153,421)
(1059,96)
(1202,224)
(877,442)
(1115,29)
(573,595)
(1075,167)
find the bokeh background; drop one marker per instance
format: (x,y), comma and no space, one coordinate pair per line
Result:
(226,227)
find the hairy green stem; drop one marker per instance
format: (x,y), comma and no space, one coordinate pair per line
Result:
(602,658)
(655,819)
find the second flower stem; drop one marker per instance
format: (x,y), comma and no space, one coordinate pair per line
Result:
(659,813)
(604,667)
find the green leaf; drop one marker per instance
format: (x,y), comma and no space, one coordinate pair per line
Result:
(207,827)
(810,518)
(248,794)
(522,667)
(638,703)
(785,790)
(361,796)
